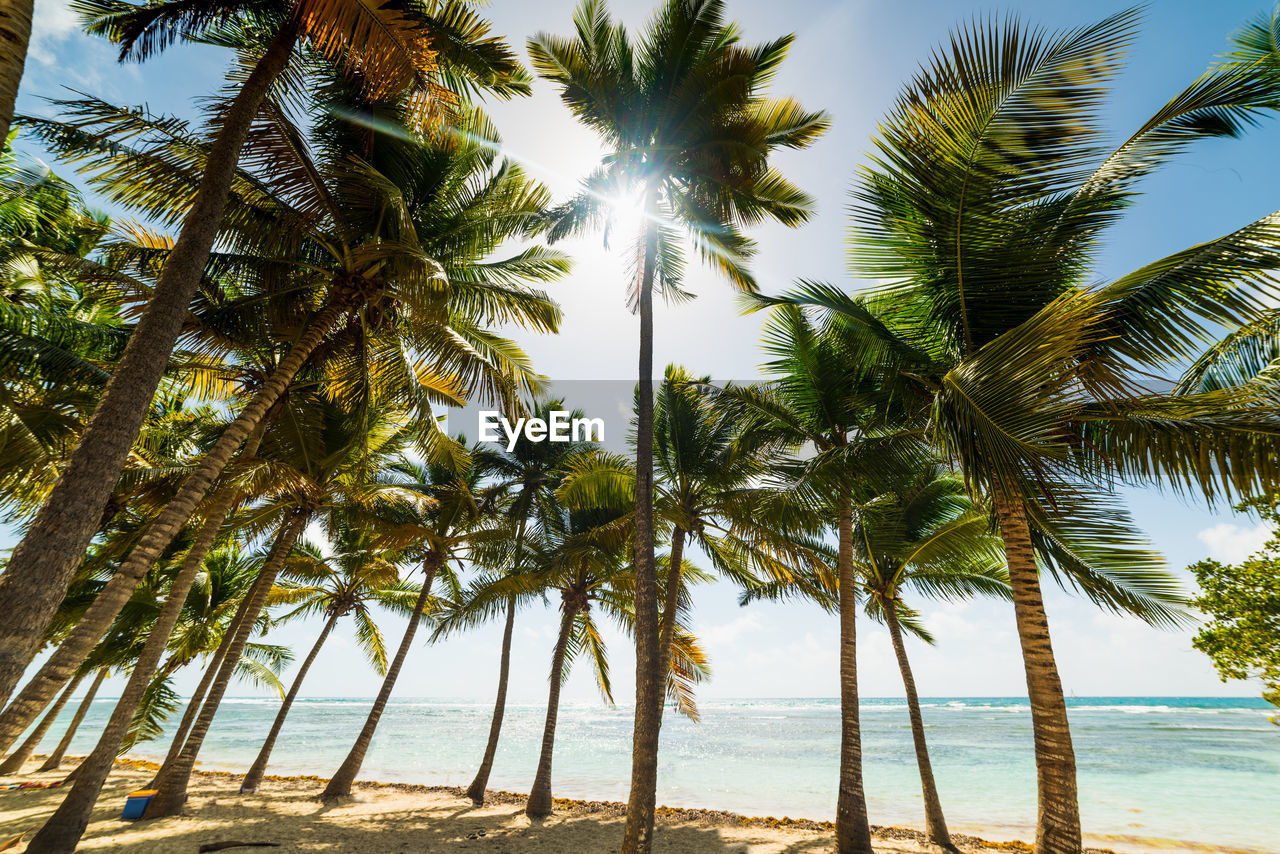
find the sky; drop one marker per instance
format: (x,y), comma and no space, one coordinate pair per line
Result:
(850,58)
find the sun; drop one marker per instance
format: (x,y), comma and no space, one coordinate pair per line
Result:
(626,218)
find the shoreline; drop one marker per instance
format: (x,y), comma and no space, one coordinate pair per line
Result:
(417,813)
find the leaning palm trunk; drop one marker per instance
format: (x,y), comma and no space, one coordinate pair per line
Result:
(19,757)
(172,787)
(340,785)
(477,788)
(638,836)
(670,604)
(54,762)
(42,565)
(161,532)
(253,778)
(197,697)
(853,828)
(15,33)
(63,831)
(540,802)
(1058,823)
(935,825)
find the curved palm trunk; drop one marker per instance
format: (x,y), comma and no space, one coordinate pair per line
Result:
(853,828)
(253,778)
(42,565)
(19,757)
(54,762)
(539,803)
(196,702)
(638,835)
(15,33)
(1058,823)
(340,785)
(670,604)
(477,789)
(172,786)
(935,825)
(106,606)
(63,831)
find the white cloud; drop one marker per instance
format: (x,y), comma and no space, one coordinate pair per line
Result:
(54,21)
(727,633)
(1232,543)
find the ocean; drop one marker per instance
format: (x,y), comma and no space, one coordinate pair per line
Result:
(1204,770)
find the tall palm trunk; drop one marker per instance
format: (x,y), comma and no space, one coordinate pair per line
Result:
(1058,823)
(15,33)
(196,702)
(54,762)
(935,825)
(477,789)
(19,757)
(853,828)
(670,604)
(340,785)
(253,778)
(42,565)
(539,803)
(161,532)
(172,786)
(638,836)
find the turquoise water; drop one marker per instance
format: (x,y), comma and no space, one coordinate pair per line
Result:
(1190,769)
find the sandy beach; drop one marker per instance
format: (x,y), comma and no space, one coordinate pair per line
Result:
(388,818)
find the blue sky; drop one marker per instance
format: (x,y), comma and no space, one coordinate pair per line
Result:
(849,58)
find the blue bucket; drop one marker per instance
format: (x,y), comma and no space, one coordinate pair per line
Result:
(136,805)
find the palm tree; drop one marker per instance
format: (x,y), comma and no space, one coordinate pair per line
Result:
(926,535)
(820,398)
(356,577)
(709,469)
(173,432)
(406,332)
(15,33)
(1040,381)
(689,133)
(324,456)
(329,455)
(113,596)
(419,48)
(442,520)
(527,476)
(60,333)
(580,556)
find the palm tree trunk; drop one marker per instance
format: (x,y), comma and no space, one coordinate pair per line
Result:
(340,785)
(172,794)
(853,828)
(55,759)
(42,564)
(935,825)
(1058,823)
(15,33)
(477,789)
(249,426)
(638,836)
(253,778)
(670,604)
(539,803)
(19,757)
(196,702)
